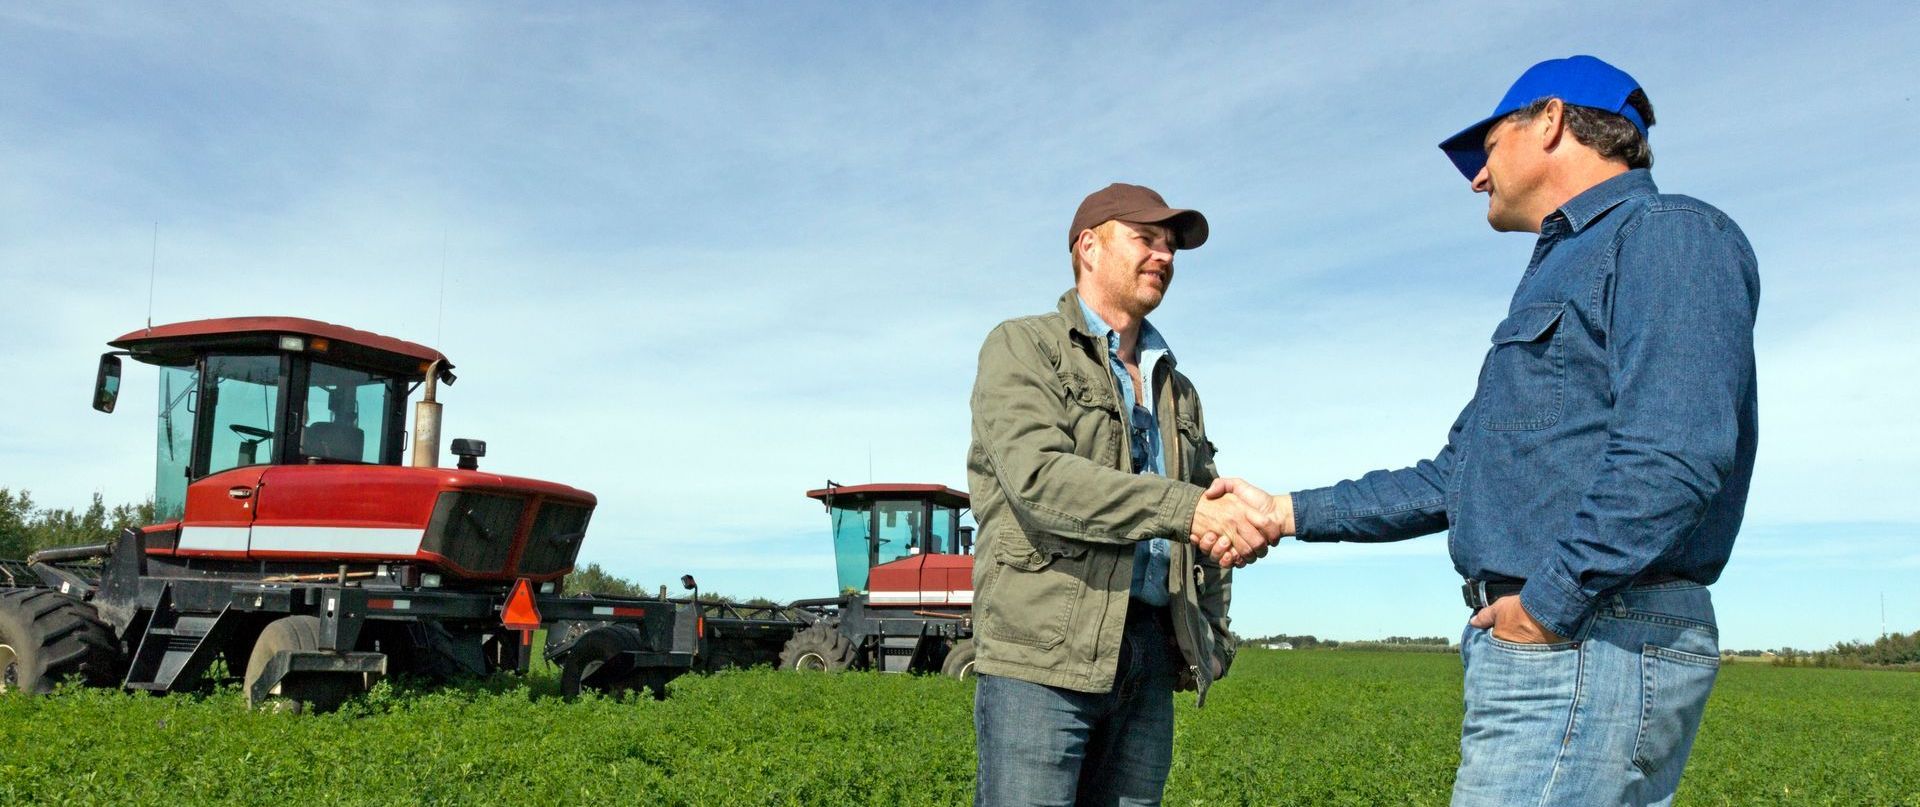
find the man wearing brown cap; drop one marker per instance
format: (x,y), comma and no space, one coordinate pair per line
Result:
(1088,462)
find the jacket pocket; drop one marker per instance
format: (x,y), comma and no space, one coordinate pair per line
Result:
(1031,591)
(1093,415)
(1524,384)
(1196,451)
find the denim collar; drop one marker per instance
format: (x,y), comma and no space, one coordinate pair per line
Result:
(1594,202)
(1150,339)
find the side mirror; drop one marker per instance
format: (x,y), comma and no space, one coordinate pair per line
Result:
(966,540)
(106,383)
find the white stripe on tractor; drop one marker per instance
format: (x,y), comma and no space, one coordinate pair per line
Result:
(337,540)
(927,597)
(214,539)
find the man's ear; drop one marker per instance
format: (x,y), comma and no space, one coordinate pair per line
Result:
(1084,245)
(1553,124)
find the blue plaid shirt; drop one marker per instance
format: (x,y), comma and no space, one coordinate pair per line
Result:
(1143,429)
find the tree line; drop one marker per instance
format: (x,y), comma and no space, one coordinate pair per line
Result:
(1895,650)
(26,528)
(1310,642)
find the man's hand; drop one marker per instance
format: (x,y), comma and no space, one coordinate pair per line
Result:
(1512,623)
(1230,530)
(1279,512)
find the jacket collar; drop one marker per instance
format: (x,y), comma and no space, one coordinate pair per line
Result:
(1075,313)
(1594,202)
(1070,309)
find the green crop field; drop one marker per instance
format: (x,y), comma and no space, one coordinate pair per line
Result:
(1305,727)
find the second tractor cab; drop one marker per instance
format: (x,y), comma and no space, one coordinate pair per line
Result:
(905,570)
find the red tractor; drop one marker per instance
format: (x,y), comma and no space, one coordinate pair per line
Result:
(295,546)
(905,568)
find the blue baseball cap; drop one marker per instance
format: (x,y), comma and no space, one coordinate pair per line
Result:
(1575,80)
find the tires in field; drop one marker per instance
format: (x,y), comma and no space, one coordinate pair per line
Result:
(817,648)
(46,636)
(298,692)
(598,661)
(959,662)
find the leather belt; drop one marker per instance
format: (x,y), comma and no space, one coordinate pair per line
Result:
(1481,593)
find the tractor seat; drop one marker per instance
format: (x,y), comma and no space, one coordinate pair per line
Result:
(333,441)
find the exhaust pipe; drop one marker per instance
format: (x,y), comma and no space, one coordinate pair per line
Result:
(426,424)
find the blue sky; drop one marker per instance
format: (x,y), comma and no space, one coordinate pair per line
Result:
(699,258)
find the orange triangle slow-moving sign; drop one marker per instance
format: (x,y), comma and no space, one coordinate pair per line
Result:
(520,612)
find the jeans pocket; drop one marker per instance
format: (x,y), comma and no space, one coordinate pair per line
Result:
(1675,685)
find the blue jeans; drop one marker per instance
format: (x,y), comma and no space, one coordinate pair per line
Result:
(1605,719)
(1042,745)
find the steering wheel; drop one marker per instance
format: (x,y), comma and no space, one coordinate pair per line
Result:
(249,431)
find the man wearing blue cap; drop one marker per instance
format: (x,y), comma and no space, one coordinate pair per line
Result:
(1593,486)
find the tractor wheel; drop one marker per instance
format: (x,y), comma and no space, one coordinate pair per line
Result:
(598,662)
(299,692)
(46,636)
(817,648)
(959,661)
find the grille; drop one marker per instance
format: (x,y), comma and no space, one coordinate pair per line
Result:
(474,530)
(555,540)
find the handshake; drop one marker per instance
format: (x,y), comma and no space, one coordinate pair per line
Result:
(1236,523)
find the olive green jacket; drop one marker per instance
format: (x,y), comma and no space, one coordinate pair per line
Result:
(1060,510)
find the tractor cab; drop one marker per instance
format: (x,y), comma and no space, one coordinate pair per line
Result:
(902,544)
(282,439)
(270,391)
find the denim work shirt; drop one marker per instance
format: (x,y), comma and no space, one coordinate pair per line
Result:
(1612,434)
(1143,430)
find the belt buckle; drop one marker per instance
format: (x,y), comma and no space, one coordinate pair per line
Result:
(1475,593)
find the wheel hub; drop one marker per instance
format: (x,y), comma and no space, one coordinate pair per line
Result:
(810,661)
(9,671)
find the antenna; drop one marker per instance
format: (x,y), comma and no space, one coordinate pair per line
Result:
(153,271)
(869,462)
(440,315)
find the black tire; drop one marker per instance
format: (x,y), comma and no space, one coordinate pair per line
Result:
(46,636)
(301,692)
(817,648)
(597,662)
(959,661)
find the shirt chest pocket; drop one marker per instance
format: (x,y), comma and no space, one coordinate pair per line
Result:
(1524,384)
(1093,415)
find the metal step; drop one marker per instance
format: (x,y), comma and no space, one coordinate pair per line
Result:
(896,653)
(175,648)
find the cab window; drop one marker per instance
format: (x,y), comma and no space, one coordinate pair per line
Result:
(346,412)
(246,404)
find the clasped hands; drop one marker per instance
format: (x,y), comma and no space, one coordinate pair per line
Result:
(1236,523)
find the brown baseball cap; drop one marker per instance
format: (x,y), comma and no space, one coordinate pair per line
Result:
(1138,205)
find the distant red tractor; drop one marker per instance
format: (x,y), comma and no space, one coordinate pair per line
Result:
(294,545)
(905,568)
